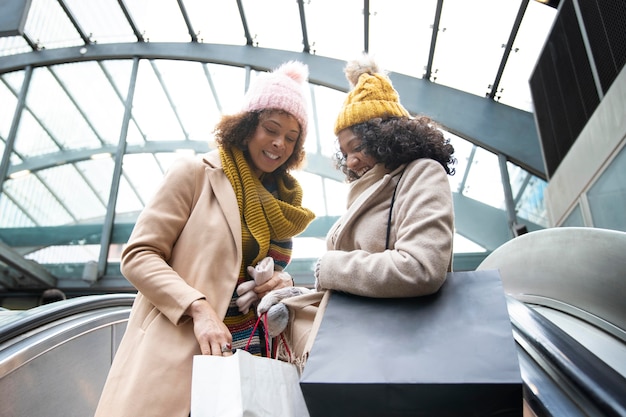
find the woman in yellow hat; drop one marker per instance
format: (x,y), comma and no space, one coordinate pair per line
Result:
(395,240)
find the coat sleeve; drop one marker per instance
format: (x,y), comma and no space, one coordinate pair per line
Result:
(145,258)
(421,242)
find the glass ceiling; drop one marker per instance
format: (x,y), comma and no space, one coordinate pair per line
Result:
(85,140)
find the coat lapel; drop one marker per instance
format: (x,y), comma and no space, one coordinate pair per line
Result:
(225,196)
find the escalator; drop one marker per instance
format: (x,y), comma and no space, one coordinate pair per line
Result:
(561,377)
(54,358)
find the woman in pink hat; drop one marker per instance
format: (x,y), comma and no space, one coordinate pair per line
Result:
(217,221)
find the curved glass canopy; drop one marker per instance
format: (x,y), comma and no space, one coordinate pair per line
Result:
(99,97)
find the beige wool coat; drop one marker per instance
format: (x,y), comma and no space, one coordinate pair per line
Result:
(186,245)
(420,239)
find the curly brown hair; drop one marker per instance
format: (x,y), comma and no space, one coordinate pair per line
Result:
(237,129)
(398,140)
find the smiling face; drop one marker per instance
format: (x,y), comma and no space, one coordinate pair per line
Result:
(273,141)
(357,160)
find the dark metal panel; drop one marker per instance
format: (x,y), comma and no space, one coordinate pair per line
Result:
(13,17)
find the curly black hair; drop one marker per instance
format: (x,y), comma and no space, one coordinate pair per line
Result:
(398,140)
(237,129)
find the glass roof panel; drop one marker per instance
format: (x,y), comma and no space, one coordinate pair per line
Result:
(527,192)
(127,200)
(57,114)
(165,160)
(89,88)
(402,40)
(229,83)
(458,63)
(268,29)
(313,198)
(31,139)
(33,196)
(134,136)
(143,173)
(151,108)
(65,254)
(12,45)
(329,33)
(158,20)
(7,110)
(192,97)
(98,173)
(529,201)
(103,20)
(12,214)
(48,26)
(484,182)
(13,81)
(528,44)
(335,206)
(118,73)
(330,101)
(78,199)
(224,27)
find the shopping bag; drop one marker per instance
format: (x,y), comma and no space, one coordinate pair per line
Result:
(245,385)
(448,354)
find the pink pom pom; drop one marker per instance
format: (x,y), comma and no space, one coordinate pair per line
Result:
(295,70)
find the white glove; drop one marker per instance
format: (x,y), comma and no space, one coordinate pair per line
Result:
(277,312)
(261,273)
(246,296)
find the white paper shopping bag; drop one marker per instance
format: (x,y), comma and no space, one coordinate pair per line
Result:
(245,385)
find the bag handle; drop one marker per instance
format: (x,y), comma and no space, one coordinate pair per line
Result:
(263,319)
(277,340)
(393,200)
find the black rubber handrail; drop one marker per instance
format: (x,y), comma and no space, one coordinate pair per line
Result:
(28,320)
(601,385)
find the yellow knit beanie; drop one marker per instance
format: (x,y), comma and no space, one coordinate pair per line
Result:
(372,95)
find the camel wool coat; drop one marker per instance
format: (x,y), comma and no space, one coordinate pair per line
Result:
(186,245)
(421,232)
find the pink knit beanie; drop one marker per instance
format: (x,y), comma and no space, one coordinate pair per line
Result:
(281,89)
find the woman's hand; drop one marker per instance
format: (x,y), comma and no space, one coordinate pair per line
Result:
(280,279)
(212,334)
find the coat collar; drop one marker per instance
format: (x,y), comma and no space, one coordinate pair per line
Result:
(361,194)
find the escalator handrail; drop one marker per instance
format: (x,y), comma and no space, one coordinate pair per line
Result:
(599,382)
(39,316)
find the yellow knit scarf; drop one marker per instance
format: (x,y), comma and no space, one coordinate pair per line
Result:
(266,217)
